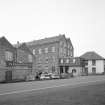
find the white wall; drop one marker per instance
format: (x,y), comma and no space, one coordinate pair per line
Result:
(99,66)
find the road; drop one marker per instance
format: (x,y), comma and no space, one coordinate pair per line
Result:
(45,92)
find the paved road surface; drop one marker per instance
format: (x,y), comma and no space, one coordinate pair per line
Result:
(12,88)
(29,91)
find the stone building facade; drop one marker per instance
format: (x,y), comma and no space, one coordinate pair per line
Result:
(48,51)
(24,62)
(7,59)
(15,63)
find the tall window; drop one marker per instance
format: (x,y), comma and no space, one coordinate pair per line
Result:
(93,62)
(8,56)
(71,47)
(53,58)
(61,61)
(68,52)
(46,59)
(53,49)
(33,51)
(67,60)
(39,60)
(40,51)
(74,60)
(30,58)
(46,50)
(71,54)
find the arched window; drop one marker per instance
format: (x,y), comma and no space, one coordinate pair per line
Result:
(73,70)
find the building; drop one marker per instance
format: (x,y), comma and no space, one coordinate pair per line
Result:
(15,63)
(94,63)
(24,62)
(48,51)
(73,65)
(7,59)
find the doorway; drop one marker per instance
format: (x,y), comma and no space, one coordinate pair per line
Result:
(8,75)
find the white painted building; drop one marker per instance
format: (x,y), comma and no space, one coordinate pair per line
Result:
(94,63)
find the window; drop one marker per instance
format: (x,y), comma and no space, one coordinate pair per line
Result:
(30,58)
(73,60)
(71,47)
(93,62)
(53,69)
(53,49)
(46,59)
(33,51)
(74,71)
(93,70)
(53,58)
(46,50)
(8,56)
(2,62)
(86,62)
(46,67)
(68,53)
(67,60)
(39,60)
(71,54)
(40,51)
(61,61)
(86,70)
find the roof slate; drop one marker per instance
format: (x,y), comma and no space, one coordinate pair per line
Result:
(46,40)
(92,56)
(5,42)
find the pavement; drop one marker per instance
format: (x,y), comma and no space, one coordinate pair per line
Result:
(23,87)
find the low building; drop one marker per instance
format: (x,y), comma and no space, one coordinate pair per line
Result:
(73,65)
(94,63)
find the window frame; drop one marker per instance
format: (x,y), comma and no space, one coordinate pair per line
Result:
(34,51)
(46,50)
(53,49)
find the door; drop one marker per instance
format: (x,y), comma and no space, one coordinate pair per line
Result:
(8,75)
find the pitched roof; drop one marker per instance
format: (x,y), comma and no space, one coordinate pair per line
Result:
(91,56)
(25,48)
(5,42)
(46,40)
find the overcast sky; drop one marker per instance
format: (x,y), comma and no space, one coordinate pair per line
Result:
(81,20)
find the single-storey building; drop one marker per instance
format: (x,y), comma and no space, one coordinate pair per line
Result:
(73,65)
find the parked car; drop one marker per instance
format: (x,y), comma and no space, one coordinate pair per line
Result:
(55,76)
(45,76)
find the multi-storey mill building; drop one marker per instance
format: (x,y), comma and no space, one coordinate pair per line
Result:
(48,52)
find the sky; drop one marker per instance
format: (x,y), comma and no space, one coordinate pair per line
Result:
(83,21)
